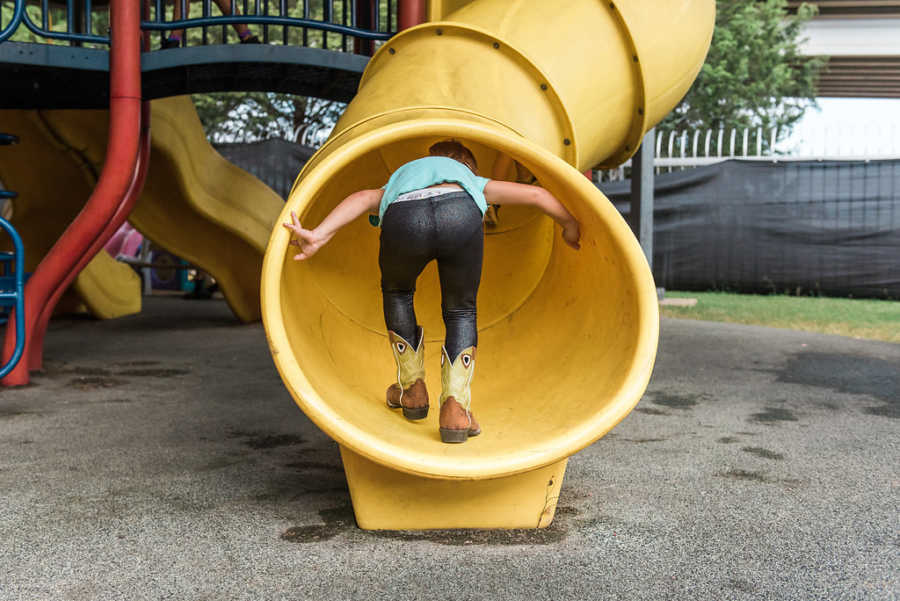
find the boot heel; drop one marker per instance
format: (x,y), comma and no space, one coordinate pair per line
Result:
(454,436)
(415,412)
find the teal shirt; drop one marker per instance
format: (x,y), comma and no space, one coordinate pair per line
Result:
(429,171)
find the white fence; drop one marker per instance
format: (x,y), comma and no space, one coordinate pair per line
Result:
(312,134)
(685,149)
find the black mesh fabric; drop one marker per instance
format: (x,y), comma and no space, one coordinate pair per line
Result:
(818,227)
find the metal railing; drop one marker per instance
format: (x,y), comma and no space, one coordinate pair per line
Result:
(72,24)
(340,25)
(13,21)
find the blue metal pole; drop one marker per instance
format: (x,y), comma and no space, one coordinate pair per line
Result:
(305,18)
(70,16)
(19,296)
(18,13)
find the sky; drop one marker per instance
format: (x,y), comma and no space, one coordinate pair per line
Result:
(848,127)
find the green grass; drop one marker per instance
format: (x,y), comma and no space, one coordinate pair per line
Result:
(874,319)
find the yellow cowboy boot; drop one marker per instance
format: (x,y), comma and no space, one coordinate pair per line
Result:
(409,393)
(457,423)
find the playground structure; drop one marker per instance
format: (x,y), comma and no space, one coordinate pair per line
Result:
(193,202)
(568,339)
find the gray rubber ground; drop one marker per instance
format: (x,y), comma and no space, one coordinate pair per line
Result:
(159,457)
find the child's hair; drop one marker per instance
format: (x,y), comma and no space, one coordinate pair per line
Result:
(454,150)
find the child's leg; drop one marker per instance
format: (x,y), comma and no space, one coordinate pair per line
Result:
(407,239)
(177,35)
(461,249)
(407,242)
(239,28)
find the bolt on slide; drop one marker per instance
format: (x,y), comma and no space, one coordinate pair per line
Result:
(567,339)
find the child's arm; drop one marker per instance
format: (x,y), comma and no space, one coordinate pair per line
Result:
(310,241)
(509,193)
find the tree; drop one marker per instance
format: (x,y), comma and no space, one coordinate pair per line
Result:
(754,75)
(251,116)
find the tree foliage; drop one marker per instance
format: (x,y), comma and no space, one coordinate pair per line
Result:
(251,116)
(754,75)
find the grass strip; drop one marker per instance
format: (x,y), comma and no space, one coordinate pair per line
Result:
(857,318)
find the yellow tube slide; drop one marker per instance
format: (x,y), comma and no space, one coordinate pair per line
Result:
(567,339)
(195,203)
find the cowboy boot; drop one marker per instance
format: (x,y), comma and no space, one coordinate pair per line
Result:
(409,392)
(457,423)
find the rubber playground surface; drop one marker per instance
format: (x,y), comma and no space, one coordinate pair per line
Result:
(159,456)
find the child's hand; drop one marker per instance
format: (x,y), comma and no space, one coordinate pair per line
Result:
(309,241)
(572,234)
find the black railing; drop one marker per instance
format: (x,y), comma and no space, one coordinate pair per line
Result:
(355,26)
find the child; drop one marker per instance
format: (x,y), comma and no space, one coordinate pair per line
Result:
(432,209)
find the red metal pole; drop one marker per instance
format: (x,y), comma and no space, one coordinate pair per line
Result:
(410,13)
(35,356)
(115,182)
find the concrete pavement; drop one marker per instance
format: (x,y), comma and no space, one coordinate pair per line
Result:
(160,457)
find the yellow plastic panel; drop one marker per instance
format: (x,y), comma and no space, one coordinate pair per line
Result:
(669,62)
(439,9)
(385,499)
(205,209)
(46,204)
(195,203)
(109,288)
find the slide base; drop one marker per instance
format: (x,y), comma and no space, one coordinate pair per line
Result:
(386,499)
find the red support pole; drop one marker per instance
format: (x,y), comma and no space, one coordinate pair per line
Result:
(117,182)
(410,13)
(35,356)
(365,19)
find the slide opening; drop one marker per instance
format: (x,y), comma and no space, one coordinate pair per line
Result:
(566,338)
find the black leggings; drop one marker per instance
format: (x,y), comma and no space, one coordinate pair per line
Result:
(413,232)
